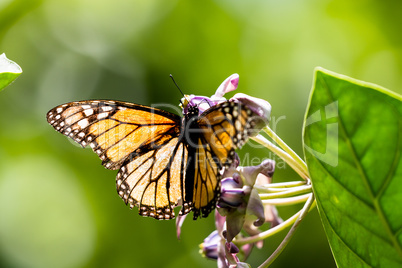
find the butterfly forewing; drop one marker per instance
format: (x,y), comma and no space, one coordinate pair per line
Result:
(113,129)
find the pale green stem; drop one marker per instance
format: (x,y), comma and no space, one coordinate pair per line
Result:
(286,201)
(300,169)
(267,190)
(269,232)
(302,213)
(283,184)
(287,193)
(285,147)
(278,190)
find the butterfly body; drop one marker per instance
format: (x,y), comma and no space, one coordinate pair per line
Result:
(164,160)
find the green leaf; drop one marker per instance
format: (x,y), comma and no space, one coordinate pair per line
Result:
(9,71)
(353,142)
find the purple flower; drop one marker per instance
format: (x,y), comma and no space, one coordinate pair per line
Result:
(259,106)
(239,201)
(268,212)
(203,103)
(232,192)
(250,173)
(228,85)
(179,223)
(209,248)
(216,247)
(239,207)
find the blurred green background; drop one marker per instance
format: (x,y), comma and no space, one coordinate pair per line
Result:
(59,206)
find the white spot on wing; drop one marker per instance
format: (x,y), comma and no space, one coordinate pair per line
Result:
(235,113)
(102,115)
(238,125)
(106,108)
(88,112)
(83,123)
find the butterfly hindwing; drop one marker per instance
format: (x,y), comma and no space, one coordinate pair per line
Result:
(227,127)
(206,183)
(154,181)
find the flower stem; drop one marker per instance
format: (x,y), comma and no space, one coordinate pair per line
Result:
(286,201)
(285,147)
(280,187)
(300,169)
(286,193)
(284,184)
(302,213)
(268,189)
(272,231)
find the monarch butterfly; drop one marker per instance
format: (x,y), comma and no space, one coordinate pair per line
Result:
(164,160)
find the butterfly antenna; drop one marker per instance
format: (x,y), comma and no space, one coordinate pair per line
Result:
(171,76)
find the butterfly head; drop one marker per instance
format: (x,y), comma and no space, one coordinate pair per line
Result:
(190,103)
(191,110)
(203,103)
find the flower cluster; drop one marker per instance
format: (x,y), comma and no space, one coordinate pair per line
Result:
(259,106)
(247,192)
(240,207)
